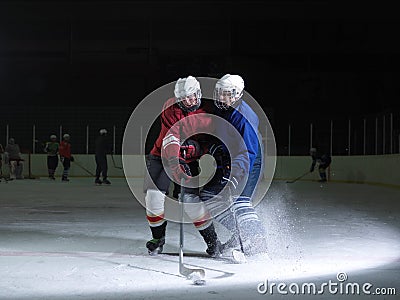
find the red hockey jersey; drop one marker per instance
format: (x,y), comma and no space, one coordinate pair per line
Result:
(171,137)
(65,149)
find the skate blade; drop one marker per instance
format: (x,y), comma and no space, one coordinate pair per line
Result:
(239,256)
(155,252)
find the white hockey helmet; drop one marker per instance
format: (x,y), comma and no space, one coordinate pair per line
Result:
(228,91)
(188,93)
(53,137)
(66,136)
(103,131)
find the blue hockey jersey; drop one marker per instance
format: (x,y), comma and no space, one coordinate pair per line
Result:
(245,121)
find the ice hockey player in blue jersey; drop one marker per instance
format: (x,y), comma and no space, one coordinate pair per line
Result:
(238,167)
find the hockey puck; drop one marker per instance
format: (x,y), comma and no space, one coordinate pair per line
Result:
(199,282)
(197,279)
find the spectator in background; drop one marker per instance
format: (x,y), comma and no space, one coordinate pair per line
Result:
(14,159)
(51,149)
(323,161)
(65,156)
(103,146)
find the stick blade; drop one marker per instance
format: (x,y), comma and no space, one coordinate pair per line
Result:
(187,272)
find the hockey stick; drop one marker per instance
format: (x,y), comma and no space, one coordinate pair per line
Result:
(183,270)
(83,168)
(115,166)
(294,180)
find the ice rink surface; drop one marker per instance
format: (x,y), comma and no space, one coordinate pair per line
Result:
(80,241)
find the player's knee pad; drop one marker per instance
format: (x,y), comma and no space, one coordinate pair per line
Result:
(155,200)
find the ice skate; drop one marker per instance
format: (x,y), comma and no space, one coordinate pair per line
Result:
(214,248)
(232,243)
(106,181)
(155,246)
(218,251)
(254,246)
(231,249)
(98,181)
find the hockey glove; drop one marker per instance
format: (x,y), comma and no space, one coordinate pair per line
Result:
(72,159)
(190,150)
(179,169)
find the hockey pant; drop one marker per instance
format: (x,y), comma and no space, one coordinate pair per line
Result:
(52,162)
(156,185)
(101,166)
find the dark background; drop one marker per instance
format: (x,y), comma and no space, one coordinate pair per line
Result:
(79,63)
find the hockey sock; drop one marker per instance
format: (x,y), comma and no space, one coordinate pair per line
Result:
(65,173)
(155,207)
(159,231)
(247,218)
(251,230)
(197,211)
(219,209)
(210,237)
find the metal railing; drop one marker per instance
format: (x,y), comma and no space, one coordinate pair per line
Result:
(367,135)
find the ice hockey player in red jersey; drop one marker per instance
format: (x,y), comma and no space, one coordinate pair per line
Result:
(65,156)
(178,148)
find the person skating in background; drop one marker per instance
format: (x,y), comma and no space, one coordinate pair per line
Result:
(185,107)
(14,159)
(103,146)
(51,148)
(323,161)
(65,156)
(238,168)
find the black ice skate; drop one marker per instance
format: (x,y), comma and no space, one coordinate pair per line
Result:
(106,181)
(232,250)
(214,248)
(98,182)
(155,246)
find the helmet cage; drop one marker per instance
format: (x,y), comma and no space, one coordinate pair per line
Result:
(225,98)
(182,101)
